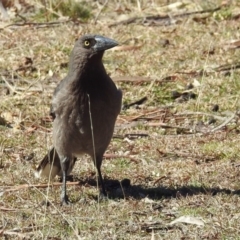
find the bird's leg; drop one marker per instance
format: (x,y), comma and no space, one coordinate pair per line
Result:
(64,165)
(98,166)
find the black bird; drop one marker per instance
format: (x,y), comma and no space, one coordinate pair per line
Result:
(84,107)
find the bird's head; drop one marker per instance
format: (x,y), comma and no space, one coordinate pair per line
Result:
(86,59)
(92,45)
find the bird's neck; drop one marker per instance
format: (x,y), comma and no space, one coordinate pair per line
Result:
(88,77)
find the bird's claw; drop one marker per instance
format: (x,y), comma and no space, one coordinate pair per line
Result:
(103,197)
(65,201)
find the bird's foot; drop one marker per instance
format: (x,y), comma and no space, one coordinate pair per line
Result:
(65,201)
(102,197)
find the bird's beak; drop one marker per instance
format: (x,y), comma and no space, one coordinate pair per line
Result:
(104,43)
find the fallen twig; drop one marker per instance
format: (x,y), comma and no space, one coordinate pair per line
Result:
(138,102)
(135,79)
(8,210)
(131,135)
(11,233)
(164,125)
(227,67)
(110,155)
(222,68)
(98,14)
(27,186)
(224,123)
(186,155)
(200,113)
(11,87)
(140,116)
(42,24)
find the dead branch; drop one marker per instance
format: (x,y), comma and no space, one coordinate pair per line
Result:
(162,20)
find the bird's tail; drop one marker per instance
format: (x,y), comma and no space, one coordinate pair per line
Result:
(50,166)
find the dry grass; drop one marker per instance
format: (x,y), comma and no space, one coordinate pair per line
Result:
(177,171)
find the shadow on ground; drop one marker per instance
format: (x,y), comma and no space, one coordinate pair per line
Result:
(123,189)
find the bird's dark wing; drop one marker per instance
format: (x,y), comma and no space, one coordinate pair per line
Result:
(60,86)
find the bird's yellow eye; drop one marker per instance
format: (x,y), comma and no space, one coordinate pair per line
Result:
(86,43)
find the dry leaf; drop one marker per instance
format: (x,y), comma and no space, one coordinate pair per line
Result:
(7,116)
(233,44)
(188,219)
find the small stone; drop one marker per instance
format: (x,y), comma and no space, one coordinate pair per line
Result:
(215,108)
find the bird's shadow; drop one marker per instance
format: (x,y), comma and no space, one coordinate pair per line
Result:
(123,189)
